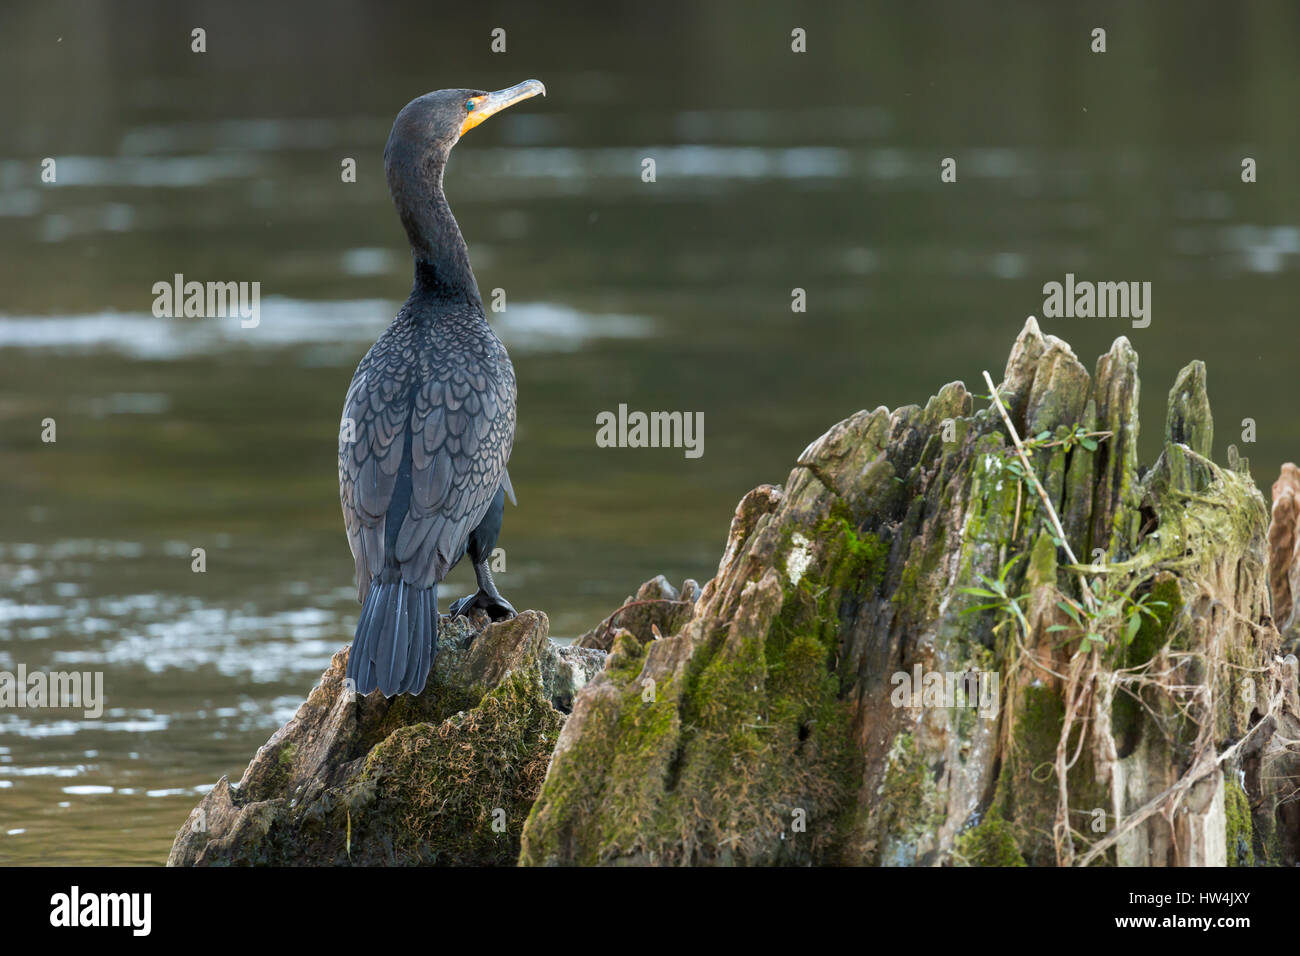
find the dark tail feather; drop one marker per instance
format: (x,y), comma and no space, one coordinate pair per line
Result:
(396,639)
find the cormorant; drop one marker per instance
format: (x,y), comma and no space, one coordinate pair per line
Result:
(429,419)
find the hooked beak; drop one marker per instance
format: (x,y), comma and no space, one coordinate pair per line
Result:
(490,103)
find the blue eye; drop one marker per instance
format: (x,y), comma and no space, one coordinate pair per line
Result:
(469,105)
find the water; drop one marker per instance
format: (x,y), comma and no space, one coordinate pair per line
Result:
(774,171)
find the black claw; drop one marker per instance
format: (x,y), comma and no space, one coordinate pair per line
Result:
(500,610)
(497,607)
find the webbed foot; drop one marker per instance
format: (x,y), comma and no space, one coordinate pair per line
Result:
(497,607)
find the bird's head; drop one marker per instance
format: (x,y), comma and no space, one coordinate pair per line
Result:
(423,135)
(430,125)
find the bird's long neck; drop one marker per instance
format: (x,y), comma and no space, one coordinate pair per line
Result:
(442,269)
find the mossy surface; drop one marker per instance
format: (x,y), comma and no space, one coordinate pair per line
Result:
(773,705)
(747,758)
(909,804)
(458,792)
(596,817)
(1166,603)
(437,702)
(1028,789)
(856,558)
(1237,829)
(991,843)
(447,777)
(1031,788)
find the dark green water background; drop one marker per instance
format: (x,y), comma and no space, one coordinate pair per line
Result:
(775,170)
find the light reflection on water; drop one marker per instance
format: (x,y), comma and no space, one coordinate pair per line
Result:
(525,327)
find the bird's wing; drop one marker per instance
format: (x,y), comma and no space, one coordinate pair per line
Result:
(463,427)
(372,441)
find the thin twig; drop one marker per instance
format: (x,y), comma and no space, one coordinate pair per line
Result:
(1038,487)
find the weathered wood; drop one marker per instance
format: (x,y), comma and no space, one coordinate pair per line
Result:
(446,777)
(769,729)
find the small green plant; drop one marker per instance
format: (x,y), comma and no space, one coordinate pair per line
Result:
(1077,437)
(1002,600)
(1118,613)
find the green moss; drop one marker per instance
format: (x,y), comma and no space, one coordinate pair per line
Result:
(457,792)
(1028,788)
(991,843)
(436,703)
(909,581)
(1152,635)
(909,804)
(1238,830)
(855,557)
(275,782)
(646,733)
(766,733)
(1039,724)
(633,730)
(625,657)
(1042,562)
(747,758)
(920,584)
